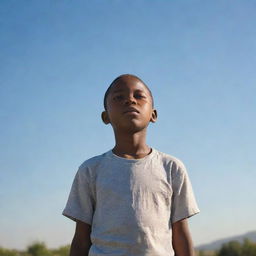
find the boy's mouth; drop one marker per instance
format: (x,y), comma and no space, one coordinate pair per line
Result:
(128,110)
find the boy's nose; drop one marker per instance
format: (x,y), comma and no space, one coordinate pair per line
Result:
(130,100)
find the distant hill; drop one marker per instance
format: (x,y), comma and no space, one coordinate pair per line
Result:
(215,245)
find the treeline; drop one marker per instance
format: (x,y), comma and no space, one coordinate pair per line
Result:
(233,248)
(36,249)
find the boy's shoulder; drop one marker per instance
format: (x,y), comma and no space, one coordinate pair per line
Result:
(93,161)
(90,167)
(170,159)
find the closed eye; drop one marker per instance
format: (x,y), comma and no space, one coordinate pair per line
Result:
(139,96)
(118,97)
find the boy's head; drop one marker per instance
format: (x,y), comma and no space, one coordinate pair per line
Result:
(125,77)
(128,104)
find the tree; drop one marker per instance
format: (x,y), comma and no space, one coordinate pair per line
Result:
(248,248)
(38,249)
(232,248)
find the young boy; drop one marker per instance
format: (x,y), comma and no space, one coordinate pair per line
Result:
(132,200)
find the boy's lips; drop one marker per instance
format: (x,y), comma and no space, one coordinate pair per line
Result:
(131,110)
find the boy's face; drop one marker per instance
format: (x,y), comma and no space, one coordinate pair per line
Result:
(129,106)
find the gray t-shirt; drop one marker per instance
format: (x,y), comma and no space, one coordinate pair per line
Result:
(131,203)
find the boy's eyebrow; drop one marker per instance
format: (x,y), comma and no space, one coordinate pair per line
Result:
(118,90)
(139,90)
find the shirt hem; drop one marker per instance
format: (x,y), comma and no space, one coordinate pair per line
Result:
(76,218)
(186,216)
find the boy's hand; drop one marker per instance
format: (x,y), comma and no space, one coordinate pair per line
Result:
(81,242)
(181,239)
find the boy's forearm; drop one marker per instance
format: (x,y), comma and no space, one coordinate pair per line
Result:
(81,242)
(182,241)
(79,249)
(183,247)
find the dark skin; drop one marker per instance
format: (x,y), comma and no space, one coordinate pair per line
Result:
(129,111)
(81,242)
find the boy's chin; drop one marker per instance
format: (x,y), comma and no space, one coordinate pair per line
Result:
(130,128)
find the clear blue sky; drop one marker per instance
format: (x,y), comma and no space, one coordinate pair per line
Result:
(57,59)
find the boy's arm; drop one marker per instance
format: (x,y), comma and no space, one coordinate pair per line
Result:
(181,239)
(81,242)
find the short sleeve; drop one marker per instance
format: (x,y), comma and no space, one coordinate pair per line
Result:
(80,204)
(184,204)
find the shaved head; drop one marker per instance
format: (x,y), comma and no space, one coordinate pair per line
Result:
(124,78)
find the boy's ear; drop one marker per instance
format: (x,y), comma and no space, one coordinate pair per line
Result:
(104,117)
(153,116)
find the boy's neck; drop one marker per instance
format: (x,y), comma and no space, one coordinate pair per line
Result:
(131,146)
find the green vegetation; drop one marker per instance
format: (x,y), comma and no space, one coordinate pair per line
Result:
(36,249)
(233,248)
